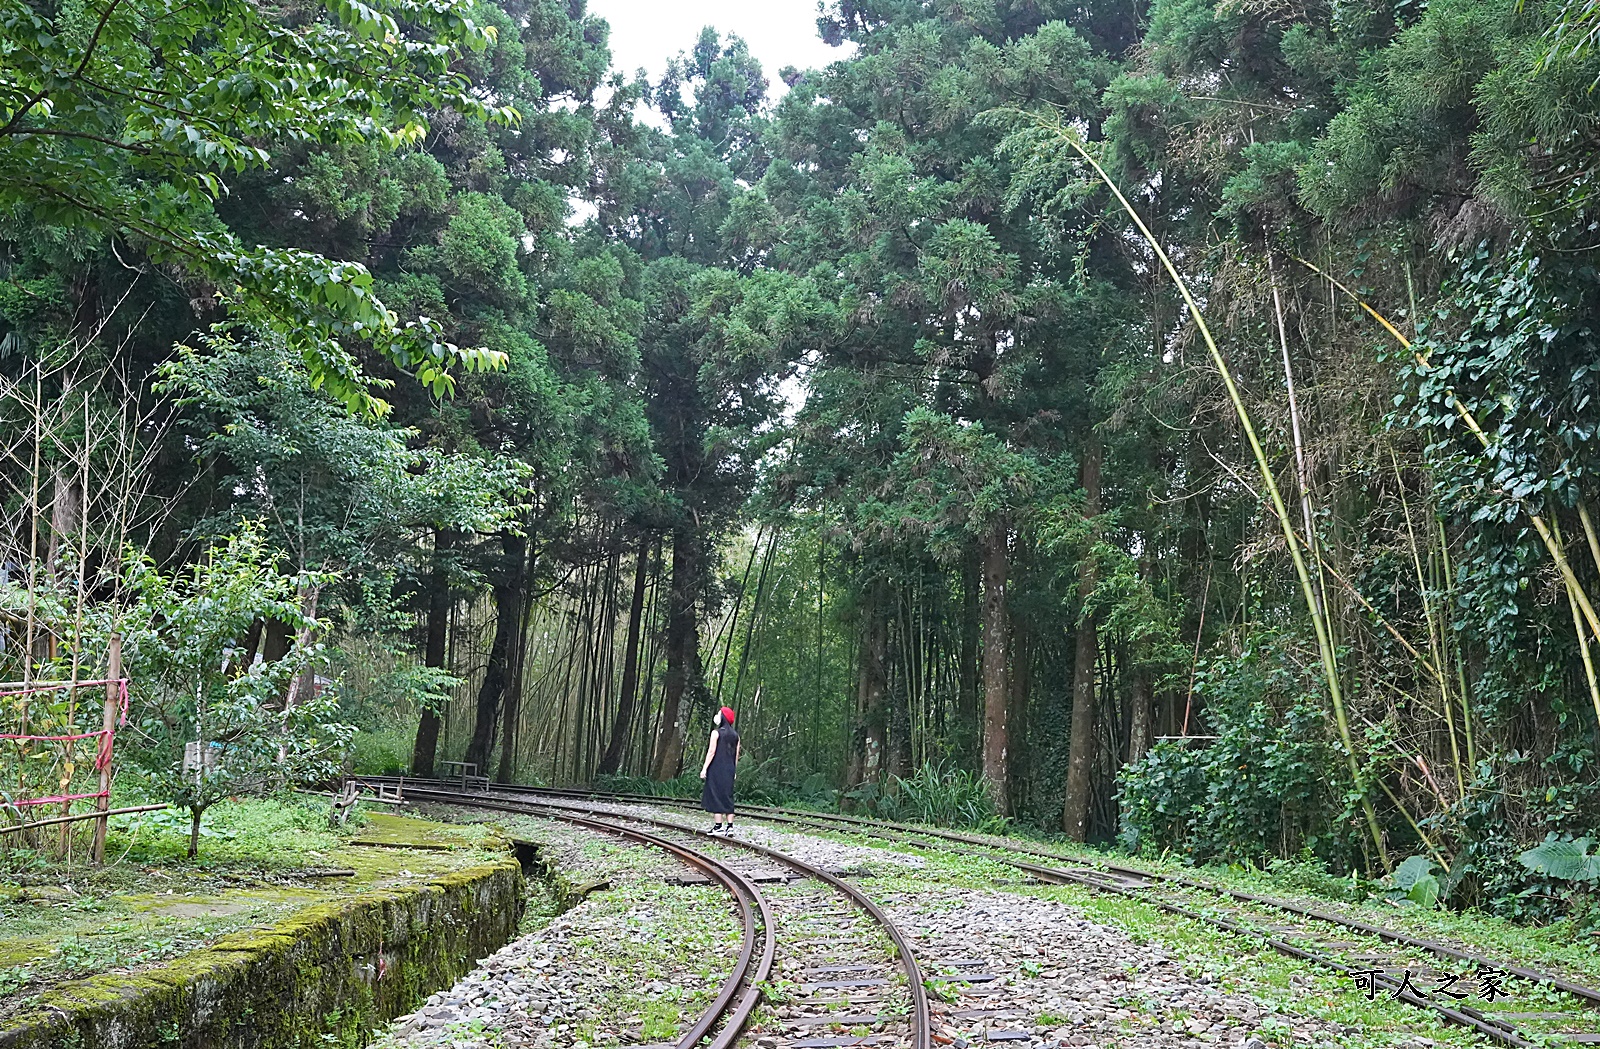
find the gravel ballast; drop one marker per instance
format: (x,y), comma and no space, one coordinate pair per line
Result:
(1006,966)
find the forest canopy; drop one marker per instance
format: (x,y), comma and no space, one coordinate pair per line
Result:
(1165,423)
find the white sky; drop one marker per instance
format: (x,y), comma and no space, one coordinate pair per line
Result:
(780,32)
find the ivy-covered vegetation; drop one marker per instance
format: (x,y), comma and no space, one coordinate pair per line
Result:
(1165,423)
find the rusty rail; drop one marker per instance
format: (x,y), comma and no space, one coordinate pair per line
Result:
(1486,1024)
(748,899)
(920,1023)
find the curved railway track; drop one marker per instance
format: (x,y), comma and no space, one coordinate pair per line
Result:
(725,1015)
(1381,960)
(849,980)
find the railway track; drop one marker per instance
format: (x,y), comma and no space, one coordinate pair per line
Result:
(1461,987)
(741,992)
(828,948)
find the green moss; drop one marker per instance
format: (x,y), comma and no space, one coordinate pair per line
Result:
(334,970)
(21,952)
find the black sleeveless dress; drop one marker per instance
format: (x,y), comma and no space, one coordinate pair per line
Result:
(718,793)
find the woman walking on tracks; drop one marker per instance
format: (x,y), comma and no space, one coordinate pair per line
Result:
(717,770)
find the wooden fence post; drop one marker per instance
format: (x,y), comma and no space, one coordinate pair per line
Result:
(108,725)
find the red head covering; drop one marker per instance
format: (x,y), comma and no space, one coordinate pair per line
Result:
(727,715)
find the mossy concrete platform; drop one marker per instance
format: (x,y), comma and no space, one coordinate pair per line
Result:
(325,976)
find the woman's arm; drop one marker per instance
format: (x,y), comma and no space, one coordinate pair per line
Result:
(711,750)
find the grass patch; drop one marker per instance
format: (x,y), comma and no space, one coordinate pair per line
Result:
(1244,963)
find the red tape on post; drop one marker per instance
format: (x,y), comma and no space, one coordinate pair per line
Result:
(102,757)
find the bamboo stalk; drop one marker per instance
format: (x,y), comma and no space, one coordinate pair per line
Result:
(81,816)
(1323,565)
(1583,642)
(1427,843)
(1550,544)
(1302,473)
(1588,532)
(1461,667)
(1434,642)
(1325,648)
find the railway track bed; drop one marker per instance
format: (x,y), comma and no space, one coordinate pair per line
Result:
(1005,959)
(1501,1001)
(630,964)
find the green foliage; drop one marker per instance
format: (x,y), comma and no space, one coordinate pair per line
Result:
(1309,875)
(1415,883)
(887,322)
(337,489)
(1263,788)
(382,692)
(279,830)
(687,785)
(383,750)
(1515,344)
(939,795)
(1565,859)
(952,480)
(260,725)
(128,120)
(1574,877)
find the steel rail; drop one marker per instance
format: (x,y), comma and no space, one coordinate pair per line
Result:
(921,1021)
(804,817)
(1442,950)
(739,887)
(1466,1016)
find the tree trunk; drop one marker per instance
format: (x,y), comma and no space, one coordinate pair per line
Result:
(1139,716)
(66,507)
(1017,713)
(870,729)
(511,719)
(611,760)
(968,731)
(194,830)
(303,685)
(508,598)
(1080,753)
(426,749)
(276,644)
(683,649)
(995,697)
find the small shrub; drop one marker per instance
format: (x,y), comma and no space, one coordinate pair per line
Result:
(1576,871)
(383,749)
(687,785)
(1268,786)
(935,794)
(1306,874)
